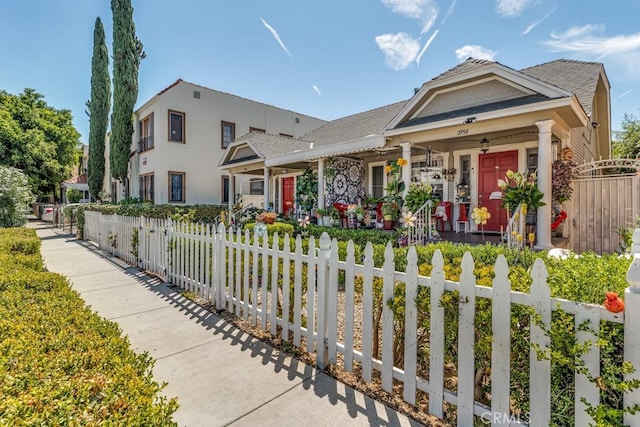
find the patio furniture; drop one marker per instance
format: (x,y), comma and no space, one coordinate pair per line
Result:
(443,216)
(344,218)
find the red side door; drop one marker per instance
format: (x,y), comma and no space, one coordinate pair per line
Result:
(288,187)
(494,166)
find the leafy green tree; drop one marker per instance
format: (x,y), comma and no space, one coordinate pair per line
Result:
(127,54)
(15,195)
(37,139)
(626,142)
(98,109)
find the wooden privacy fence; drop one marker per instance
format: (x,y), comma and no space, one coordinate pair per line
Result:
(294,294)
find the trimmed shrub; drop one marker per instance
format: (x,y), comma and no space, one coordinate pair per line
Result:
(60,362)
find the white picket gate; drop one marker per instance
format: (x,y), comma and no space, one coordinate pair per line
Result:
(267,286)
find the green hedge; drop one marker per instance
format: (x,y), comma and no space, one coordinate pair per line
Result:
(205,214)
(60,363)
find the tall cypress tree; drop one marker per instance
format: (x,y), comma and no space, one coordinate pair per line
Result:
(98,109)
(127,54)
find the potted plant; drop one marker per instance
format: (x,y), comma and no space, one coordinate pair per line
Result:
(393,198)
(307,190)
(335,215)
(418,195)
(321,214)
(359,212)
(521,188)
(389,215)
(267,217)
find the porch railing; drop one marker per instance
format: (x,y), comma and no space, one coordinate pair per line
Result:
(516,228)
(421,233)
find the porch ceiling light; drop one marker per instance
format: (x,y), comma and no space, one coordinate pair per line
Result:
(485,145)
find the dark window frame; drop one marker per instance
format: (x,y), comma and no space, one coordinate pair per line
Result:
(225,188)
(183,186)
(224,144)
(256,186)
(146,190)
(145,140)
(183,138)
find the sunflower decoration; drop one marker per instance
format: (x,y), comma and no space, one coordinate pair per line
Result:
(480,216)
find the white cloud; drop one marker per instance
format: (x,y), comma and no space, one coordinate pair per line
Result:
(586,39)
(400,50)
(511,7)
(622,95)
(425,11)
(276,36)
(538,22)
(452,6)
(590,43)
(475,51)
(426,46)
(317,90)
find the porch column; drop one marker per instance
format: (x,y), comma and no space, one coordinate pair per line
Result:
(321,183)
(266,189)
(232,192)
(406,169)
(545,153)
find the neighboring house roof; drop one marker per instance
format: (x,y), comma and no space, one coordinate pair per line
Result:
(578,77)
(356,126)
(80,179)
(180,81)
(357,129)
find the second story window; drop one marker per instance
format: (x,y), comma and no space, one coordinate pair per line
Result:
(176,126)
(228,133)
(145,133)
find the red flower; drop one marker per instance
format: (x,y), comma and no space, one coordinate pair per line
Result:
(613,303)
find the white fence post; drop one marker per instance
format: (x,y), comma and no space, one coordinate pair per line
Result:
(631,331)
(540,367)
(323,298)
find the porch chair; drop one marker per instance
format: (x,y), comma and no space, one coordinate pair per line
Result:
(344,219)
(443,216)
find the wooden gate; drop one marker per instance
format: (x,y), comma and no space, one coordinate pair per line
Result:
(603,204)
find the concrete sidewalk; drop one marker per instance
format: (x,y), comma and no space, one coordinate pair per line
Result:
(220,374)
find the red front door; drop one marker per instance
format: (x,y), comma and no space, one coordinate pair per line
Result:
(287,194)
(494,166)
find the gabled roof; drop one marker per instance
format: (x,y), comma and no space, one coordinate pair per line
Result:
(538,84)
(356,126)
(80,179)
(466,112)
(343,136)
(268,145)
(578,77)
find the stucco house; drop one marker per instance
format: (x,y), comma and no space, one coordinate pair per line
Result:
(180,136)
(476,120)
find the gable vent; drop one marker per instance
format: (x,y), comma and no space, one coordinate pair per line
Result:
(196,94)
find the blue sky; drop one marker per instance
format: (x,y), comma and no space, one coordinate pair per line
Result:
(327,59)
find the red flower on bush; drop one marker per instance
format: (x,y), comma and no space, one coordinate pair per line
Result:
(613,303)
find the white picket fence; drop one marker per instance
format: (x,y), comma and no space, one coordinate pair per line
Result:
(244,278)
